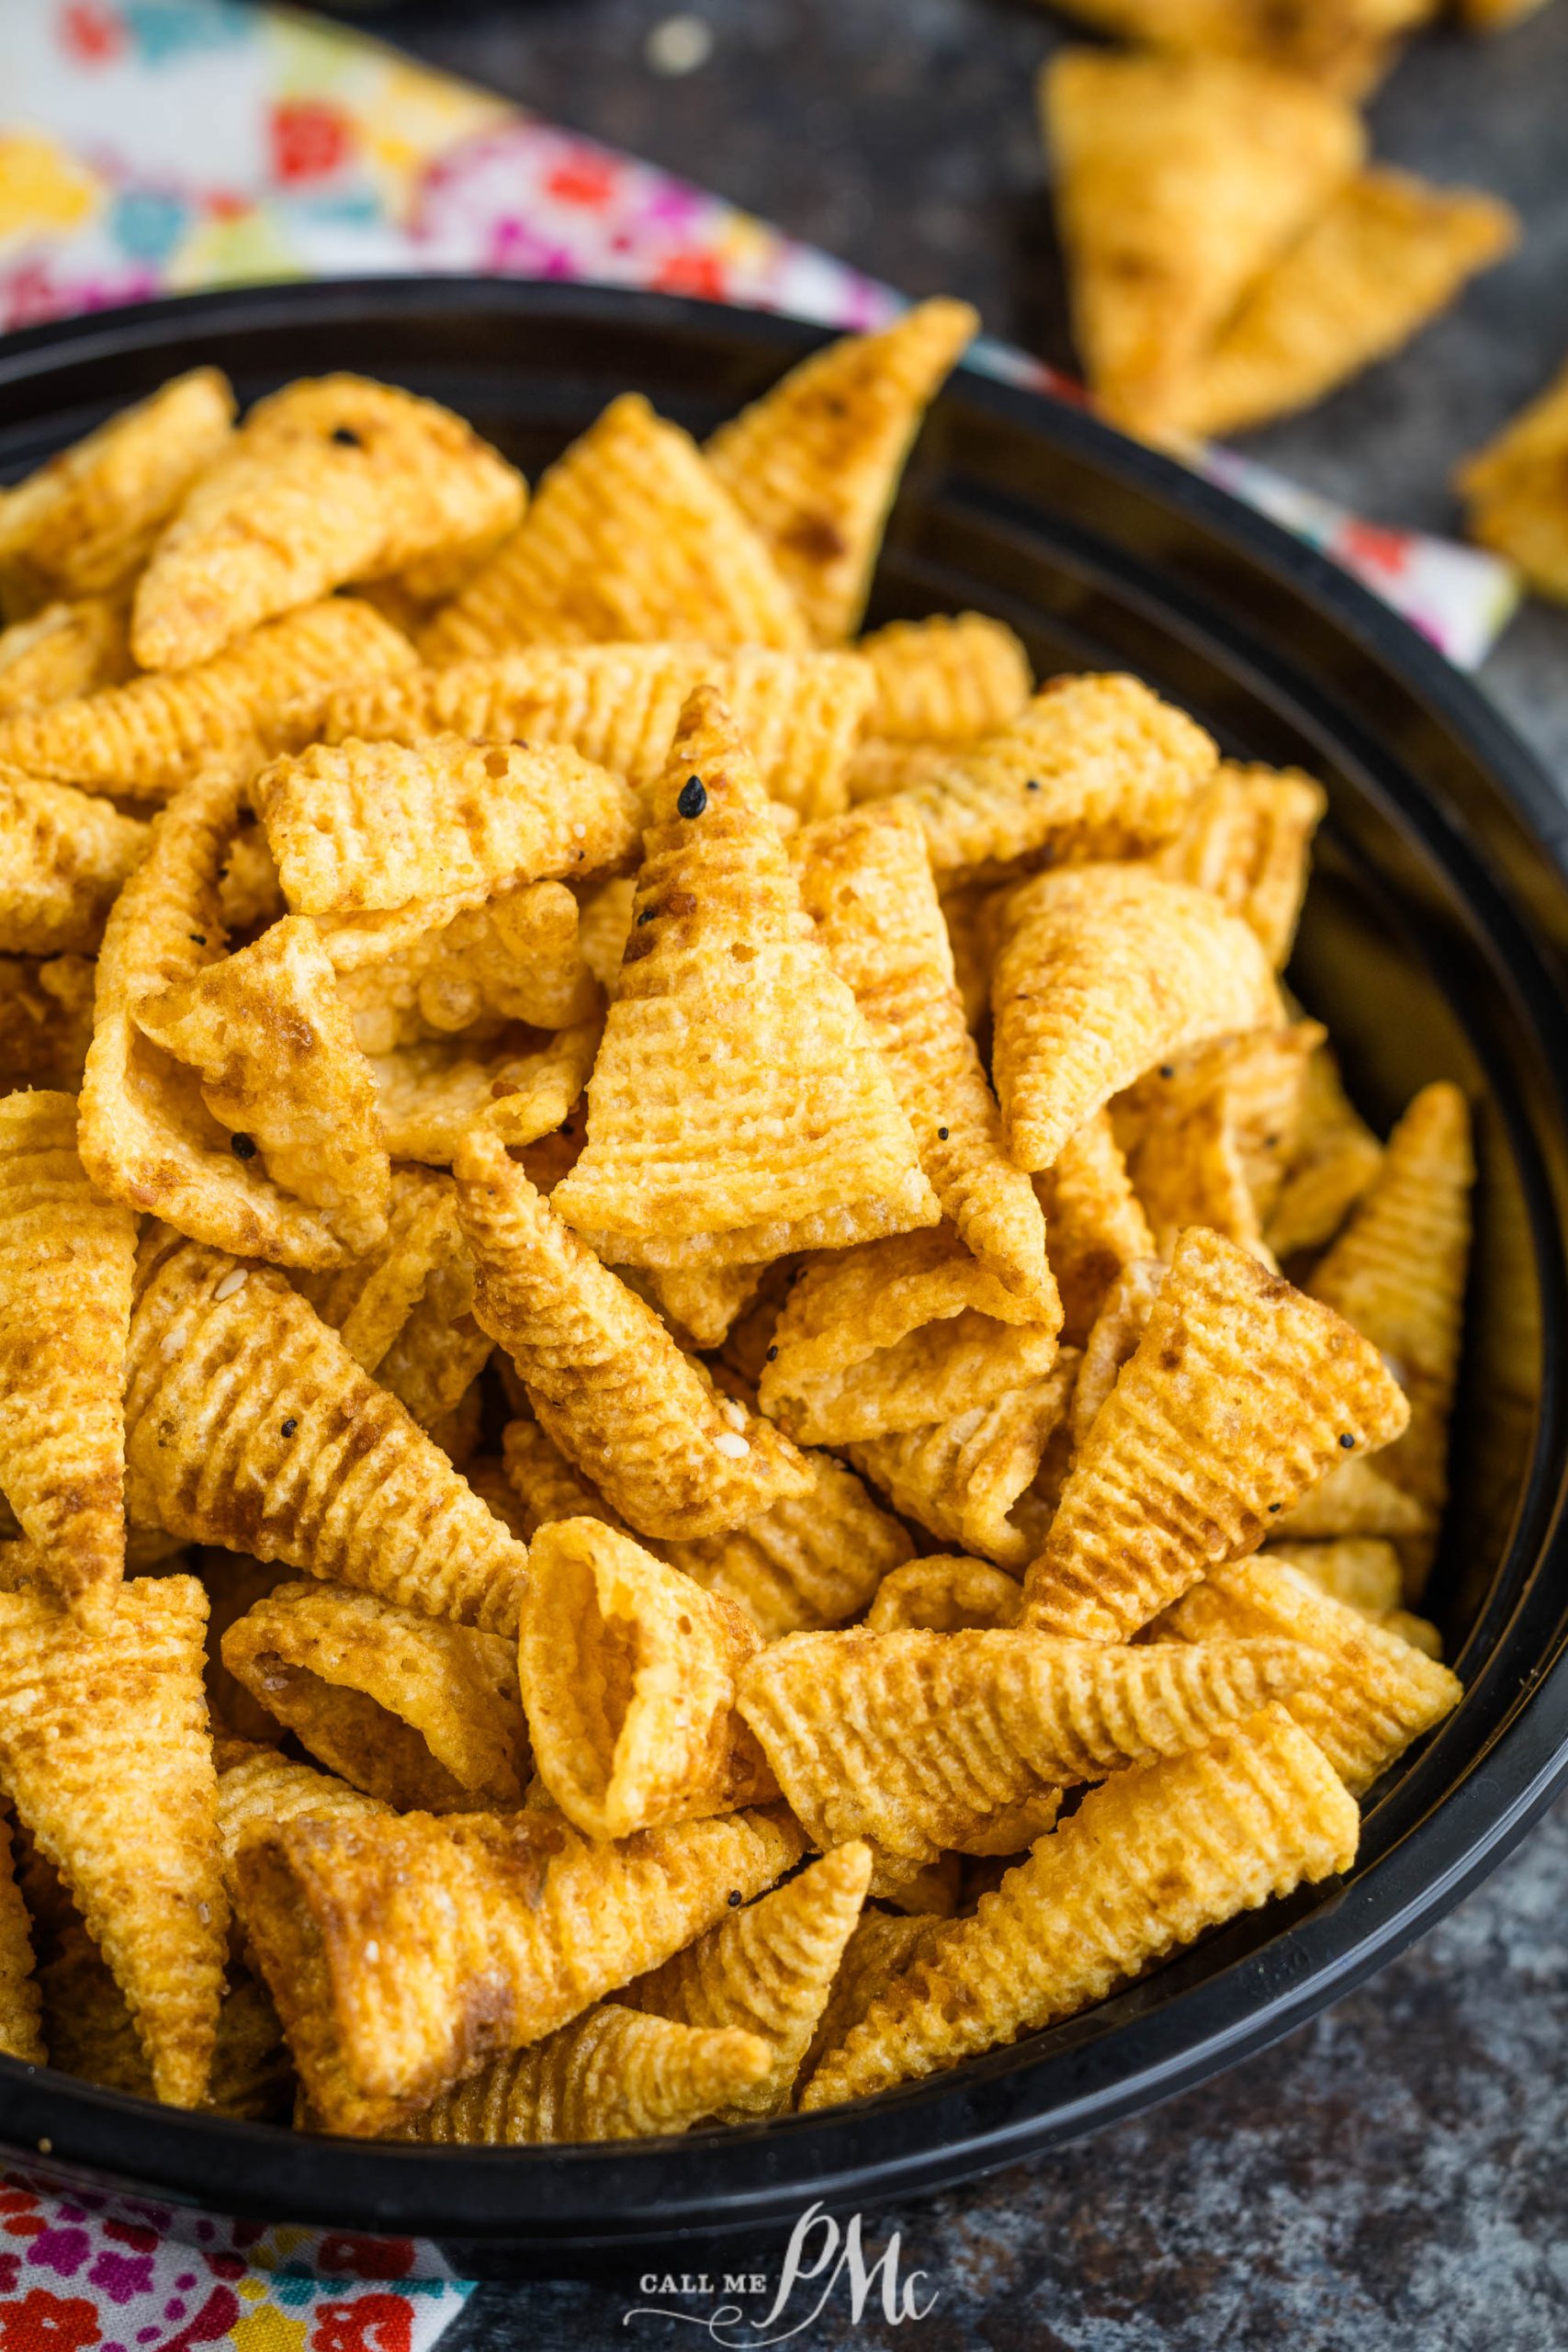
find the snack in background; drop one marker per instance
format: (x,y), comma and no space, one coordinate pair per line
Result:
(1230,255)
(1515,491)
(1345,44)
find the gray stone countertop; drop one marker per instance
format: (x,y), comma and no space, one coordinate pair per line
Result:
(1391,2178)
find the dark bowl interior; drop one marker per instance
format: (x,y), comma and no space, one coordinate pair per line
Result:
(1432,946)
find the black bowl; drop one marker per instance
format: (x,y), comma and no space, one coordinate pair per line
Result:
(1434,945)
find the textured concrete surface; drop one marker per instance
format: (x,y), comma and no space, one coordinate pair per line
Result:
(1390,2179)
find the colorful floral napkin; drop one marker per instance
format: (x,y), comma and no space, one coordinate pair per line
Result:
(84,2273)
(150,146)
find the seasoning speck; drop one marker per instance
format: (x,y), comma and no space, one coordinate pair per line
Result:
(941,1134)
(693,796)
(565,1128)
(243,1147)
(372,1951)
(289,1425)
(1347,1443)
(1168,1070)
(233,1280)
(735,1900)
(1274,1506)
(731,1442)
(346,438)
(1033,784)
(647,915)
(196,938)
(773,1355)
(678,45)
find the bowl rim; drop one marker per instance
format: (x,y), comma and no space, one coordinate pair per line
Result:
(1095,2069)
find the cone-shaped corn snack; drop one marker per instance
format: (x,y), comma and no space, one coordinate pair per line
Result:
(884,770)
(1178,180)
(767,1971)
(882,1946)
(944,1593)
(20,2003)
(921,1740)
(1259,1083)
(61,651)
(1258,1079)
(865,879)
(434,1366)
(926,1890)
(259,1789)
(894,1334)
(1113,1339)
(46,1020)
(369,1303)
(1333,1157)
(946,679)
(805,1563)
(1247,838)
(1093,767)
(249,893)
(63,858)
(324,483)
(1145,1864)
(1371,270)
(607,1382)
(1241,1393)
(1103,973)
(1344,46)
(66,1266)
(274,1049)
(249,1424)
(487,1476)
(619,705)
(457,1430)
(1360,1571)
(1095,1225)
(404,1954)
(84,522)
(1370,1694)
(516,958)
(702,1303)
(144,738)
(1397,1273)
(1357,1497)
(613,2074)
(1494,16)
(235,1583)
(628,1675)
(104,1751)
(1514,491)
(739,1109)
(422,1714)
(814,463)
(630,535)
(356,828)
(91,2035)
(969,1480)
(146,1137)
(964,909)
(545,1485)
(430,1096)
